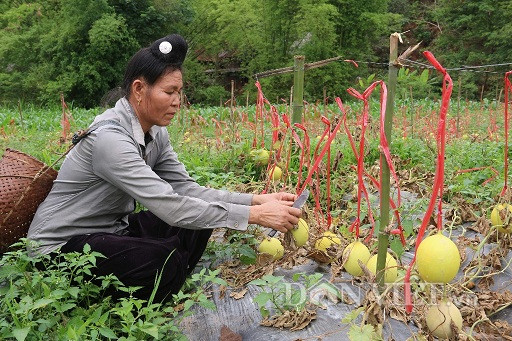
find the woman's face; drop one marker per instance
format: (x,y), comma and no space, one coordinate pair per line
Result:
(160,102)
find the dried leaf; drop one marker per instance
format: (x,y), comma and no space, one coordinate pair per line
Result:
(294,320)
(238,295)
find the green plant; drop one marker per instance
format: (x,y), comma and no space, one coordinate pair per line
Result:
(44,298)
(239,245)
(279,295)
(195,287)
(408,80)
(362,332)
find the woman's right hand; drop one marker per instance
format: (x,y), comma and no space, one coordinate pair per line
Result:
(278,215)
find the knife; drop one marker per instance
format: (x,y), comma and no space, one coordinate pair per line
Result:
(301,200)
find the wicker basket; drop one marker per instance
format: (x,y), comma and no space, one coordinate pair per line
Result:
(24,184)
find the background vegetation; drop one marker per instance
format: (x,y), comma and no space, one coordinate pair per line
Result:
(80,47)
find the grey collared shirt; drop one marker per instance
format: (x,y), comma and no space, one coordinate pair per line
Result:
(107,170)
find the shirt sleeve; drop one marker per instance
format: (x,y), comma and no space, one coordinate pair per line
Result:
(116,159)
(169,168)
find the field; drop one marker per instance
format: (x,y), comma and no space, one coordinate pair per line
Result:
(217,145)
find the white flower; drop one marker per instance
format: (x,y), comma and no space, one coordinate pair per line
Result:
(165,47)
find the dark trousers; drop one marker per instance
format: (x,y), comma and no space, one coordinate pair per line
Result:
(138,257)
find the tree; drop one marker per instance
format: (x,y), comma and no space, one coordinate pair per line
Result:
(75,47)
(474,33)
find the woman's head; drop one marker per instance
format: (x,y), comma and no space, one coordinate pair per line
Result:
(150,63)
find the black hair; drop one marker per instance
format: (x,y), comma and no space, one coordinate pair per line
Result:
(150,63)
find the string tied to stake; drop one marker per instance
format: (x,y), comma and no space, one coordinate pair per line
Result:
(437,192)
(384,147)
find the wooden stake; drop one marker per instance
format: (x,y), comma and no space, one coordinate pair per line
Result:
(383,238)
(458,105)
(291,100)
(298,89)
(325,101)
(411,108)
(232,94)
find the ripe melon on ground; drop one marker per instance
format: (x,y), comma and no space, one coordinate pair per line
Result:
(353,253)
(501,217)
(271,246)
(440,317)
(326,241)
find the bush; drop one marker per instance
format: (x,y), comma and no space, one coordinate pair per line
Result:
(66,302)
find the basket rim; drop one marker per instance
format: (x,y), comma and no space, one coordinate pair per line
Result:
(30,157)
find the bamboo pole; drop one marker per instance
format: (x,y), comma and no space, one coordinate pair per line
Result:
(458,107)
(325,101)
(232,111)
(383,238)
(298,89)
(411,108)
(290,104)
(232,94)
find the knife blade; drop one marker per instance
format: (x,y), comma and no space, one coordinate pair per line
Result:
(301,200)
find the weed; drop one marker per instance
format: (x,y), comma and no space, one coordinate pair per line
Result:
(239,245)
(279,295)
(44,298)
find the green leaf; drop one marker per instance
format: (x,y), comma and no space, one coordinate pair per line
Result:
(246,250)
(208,304)
(107,332)
(8,270)
(87,248)
(401,73)
(396,246)
(262,298)
(104,317)
(424,76)
(71,333)
(408,227)
(66,307)
(151,329)
(20,333)
(364,333)
(258,282)
(73,291)
(188,304)
(42,302)
(314,279)
(352,315)
(247,260)
(264,312)
(272,279)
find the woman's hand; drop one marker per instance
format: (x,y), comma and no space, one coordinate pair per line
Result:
(276,214)
(284,197)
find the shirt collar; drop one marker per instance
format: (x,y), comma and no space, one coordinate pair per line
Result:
(138,133)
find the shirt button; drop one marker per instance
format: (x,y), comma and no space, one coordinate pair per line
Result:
(236,223)
(207,225)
